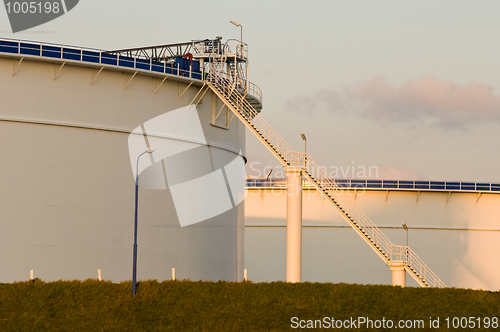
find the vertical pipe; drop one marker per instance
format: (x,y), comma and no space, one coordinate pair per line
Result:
(294,224)
(173,273)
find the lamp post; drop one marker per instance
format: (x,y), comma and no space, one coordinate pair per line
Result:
(305,148)
(242,54)
(134,267)
(405,227)
(241,27)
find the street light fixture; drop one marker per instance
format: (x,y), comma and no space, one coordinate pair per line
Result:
(134,267)
(241,27)
(405,227)
(305,148)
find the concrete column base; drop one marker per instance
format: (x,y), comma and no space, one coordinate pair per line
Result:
(398,273)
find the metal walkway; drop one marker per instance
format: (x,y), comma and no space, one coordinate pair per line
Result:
(355,184)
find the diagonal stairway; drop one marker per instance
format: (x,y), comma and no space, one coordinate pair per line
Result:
(224,87)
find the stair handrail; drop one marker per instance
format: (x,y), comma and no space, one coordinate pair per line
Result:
(421,268)
(330,185)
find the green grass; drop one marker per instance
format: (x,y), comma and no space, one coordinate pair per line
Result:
(221,306)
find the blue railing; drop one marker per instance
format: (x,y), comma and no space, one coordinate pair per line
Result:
(388,184)
(64,52)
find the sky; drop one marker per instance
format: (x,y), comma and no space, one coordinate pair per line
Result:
(408,87)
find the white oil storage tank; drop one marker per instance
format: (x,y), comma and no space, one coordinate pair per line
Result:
(73,122)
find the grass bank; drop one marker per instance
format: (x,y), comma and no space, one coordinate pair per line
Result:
(221,306)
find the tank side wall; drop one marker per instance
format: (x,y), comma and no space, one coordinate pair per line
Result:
(456,235)
(68,188)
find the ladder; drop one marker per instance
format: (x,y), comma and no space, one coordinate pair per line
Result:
(221,83)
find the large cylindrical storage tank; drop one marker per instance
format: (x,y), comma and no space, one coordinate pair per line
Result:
(67,175)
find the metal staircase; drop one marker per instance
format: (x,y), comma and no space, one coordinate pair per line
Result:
(223,81)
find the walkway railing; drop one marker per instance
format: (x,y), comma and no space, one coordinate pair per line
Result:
(390,185)
(137,61)
(63,52)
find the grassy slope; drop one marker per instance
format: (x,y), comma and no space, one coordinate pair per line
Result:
(206,306)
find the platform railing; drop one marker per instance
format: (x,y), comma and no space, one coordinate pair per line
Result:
(236,48)
(255,91)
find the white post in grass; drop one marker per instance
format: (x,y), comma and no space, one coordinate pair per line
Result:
(173,273)
(99,274)
(31,274)
(245,274)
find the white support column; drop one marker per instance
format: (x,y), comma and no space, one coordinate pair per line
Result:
(398,273)
(294,224)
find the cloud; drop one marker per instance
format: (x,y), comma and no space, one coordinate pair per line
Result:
(427,100)
(302,104)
